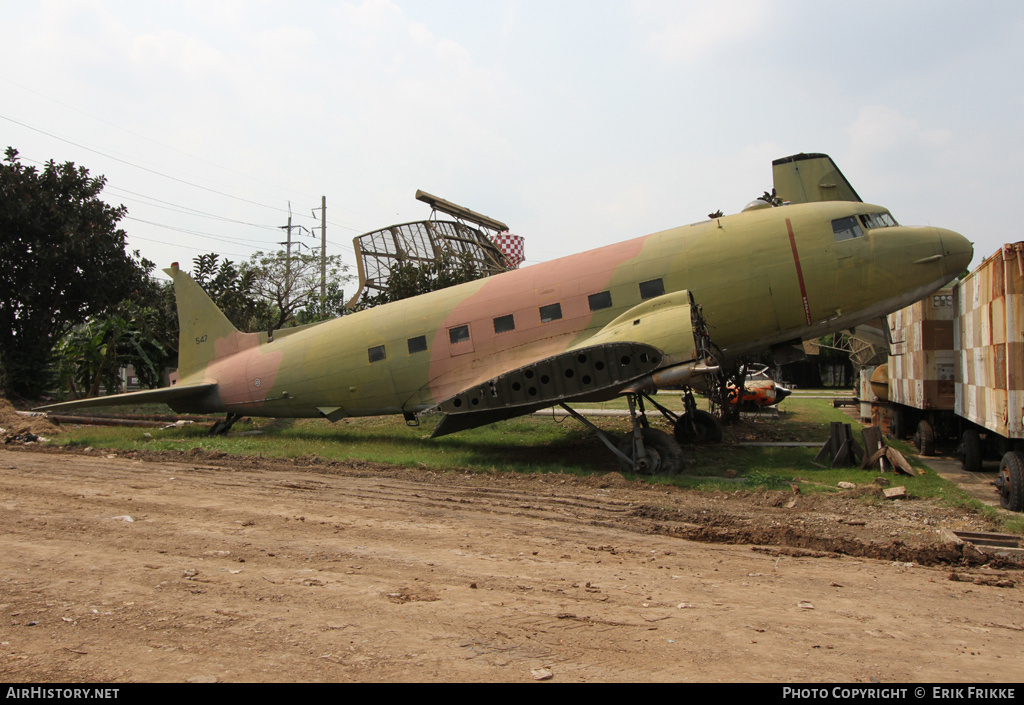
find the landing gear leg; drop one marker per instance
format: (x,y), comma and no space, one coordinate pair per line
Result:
(646,450)
(724,397)
(222,427)
(649,451)
(695,425)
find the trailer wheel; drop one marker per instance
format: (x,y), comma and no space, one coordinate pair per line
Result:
(970,451)
(924,439)
(1011,482)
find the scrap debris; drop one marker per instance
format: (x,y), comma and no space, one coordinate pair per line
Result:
(882,456)
(17,428)
(841,449)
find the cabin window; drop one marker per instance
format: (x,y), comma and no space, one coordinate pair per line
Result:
(600,300)
(503,324)
(846,228)
(377,353)
(551,312)
(458,334)
(652,288)
(417,344)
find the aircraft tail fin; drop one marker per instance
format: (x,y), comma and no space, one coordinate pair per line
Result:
(205,332)
(809,178)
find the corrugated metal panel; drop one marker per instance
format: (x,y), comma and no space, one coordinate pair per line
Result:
(921,368)
(866,393)
(989,339)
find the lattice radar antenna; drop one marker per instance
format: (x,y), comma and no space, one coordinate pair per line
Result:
(489,245)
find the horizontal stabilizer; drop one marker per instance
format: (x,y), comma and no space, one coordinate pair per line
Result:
(165,395)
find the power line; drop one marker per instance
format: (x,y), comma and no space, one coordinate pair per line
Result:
(222,238)
(142,136)
(193,211)
(138,166)
(160,144)
(183,209)
(187,247)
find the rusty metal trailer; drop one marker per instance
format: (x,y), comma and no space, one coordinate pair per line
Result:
(957,369)
(921,369)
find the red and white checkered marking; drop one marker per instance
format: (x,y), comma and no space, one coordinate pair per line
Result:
(512,246)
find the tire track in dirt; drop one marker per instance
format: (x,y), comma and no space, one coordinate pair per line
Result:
(702,526)
(279,572)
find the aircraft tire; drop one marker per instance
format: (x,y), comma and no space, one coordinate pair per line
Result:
(924,439)
(702,428)
(970,449)
(1011,482)
(664,456)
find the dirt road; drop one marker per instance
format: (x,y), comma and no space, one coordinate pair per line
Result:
(197,568)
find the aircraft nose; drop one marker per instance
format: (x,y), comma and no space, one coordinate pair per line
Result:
(957,250)
(781,393)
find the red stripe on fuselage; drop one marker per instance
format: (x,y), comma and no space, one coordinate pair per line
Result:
(799,272)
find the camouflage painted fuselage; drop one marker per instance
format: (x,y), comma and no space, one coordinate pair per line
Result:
(762,277)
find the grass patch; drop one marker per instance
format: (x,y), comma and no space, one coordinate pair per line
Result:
(542,444)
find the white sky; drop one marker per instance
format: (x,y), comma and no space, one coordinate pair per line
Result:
(577,122)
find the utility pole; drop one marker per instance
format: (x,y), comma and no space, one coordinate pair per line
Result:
(288,257)
(323,247)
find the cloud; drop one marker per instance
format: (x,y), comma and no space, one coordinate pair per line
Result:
(897,154)
(879,129)
(688,32)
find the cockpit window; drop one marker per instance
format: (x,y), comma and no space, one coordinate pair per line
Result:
(877,220)
(846,228)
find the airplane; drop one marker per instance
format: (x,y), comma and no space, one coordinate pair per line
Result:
(759,389)
(664,310)
(759,392)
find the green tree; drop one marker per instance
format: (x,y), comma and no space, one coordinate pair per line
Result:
(290,285)
(95,352)
(142,331)
(411,279)
(324,308)
(234,289)
(63,260)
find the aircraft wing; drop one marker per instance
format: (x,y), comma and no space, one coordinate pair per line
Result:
(809,178)
(165,395)
(660,341)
